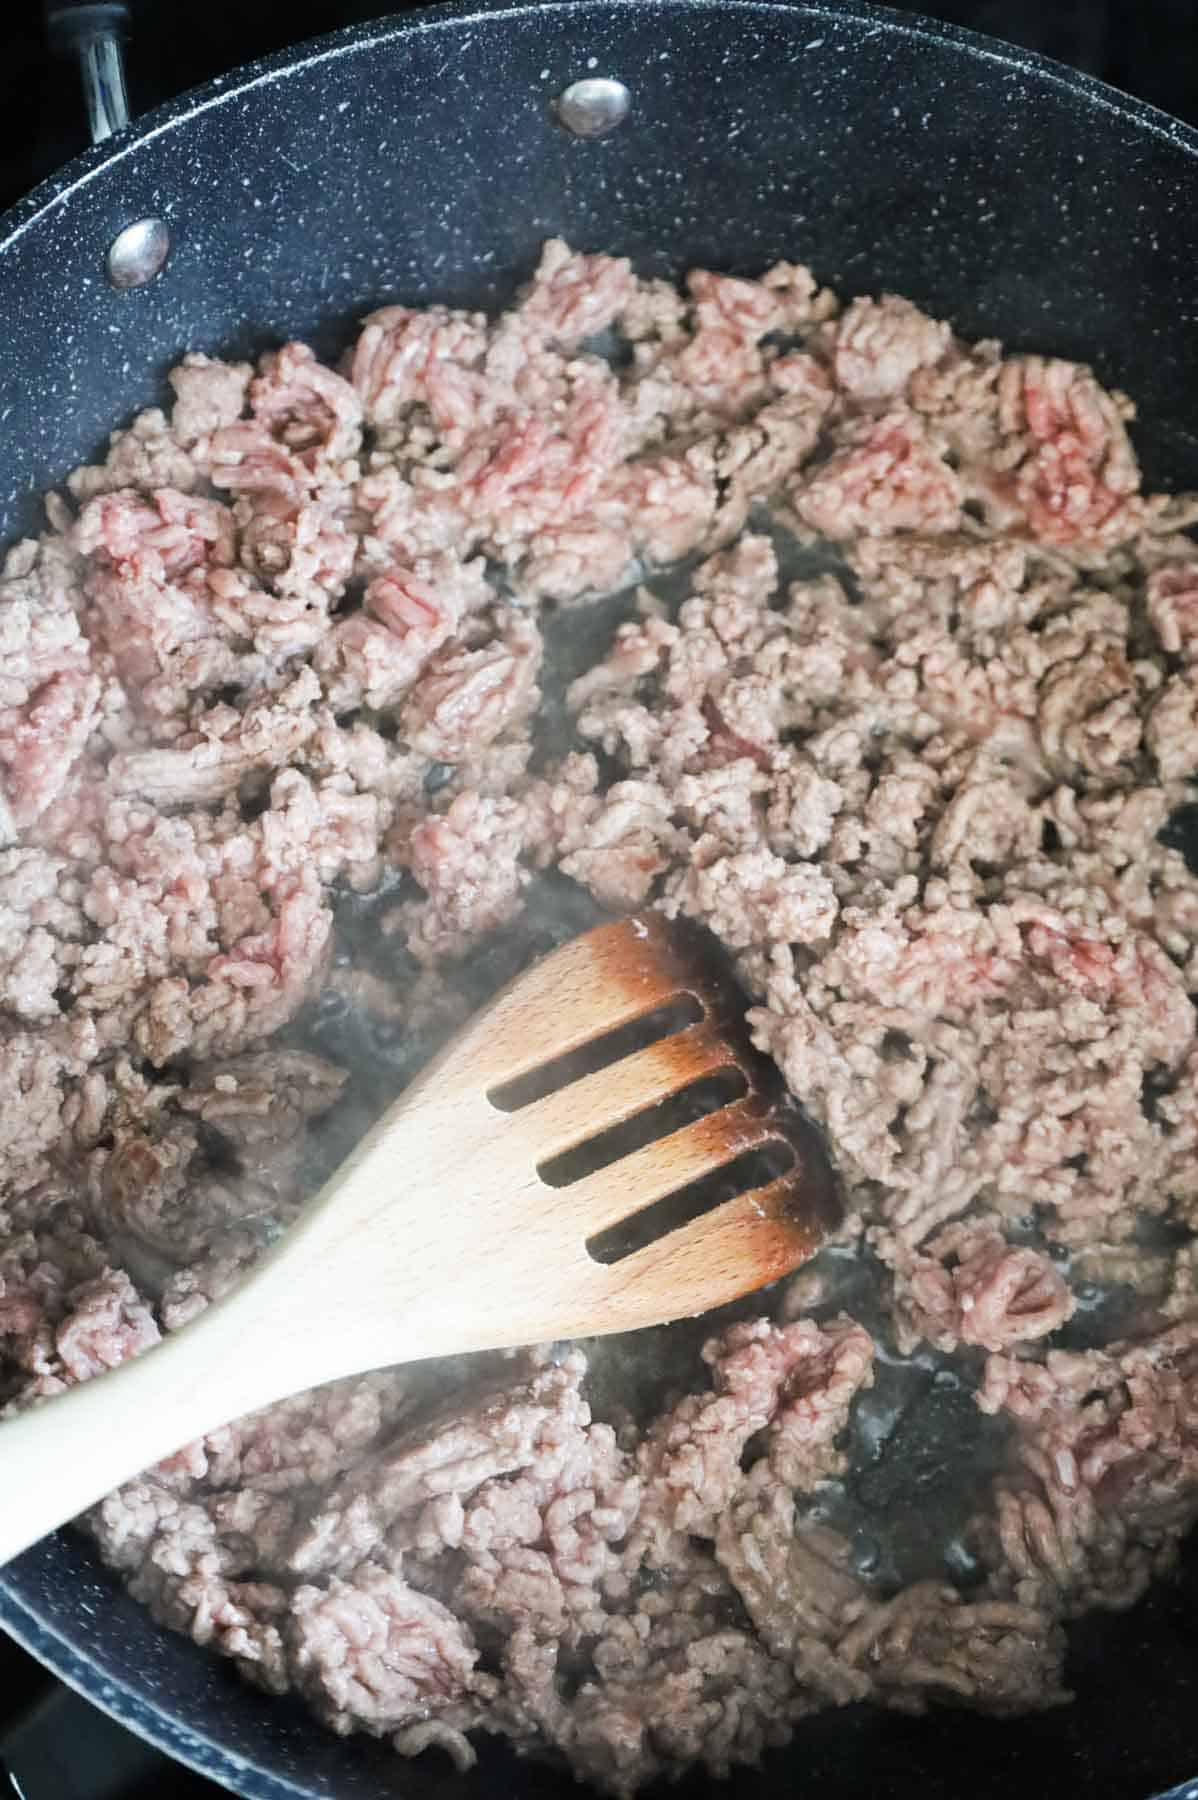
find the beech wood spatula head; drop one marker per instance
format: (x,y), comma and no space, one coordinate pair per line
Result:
(601,1148)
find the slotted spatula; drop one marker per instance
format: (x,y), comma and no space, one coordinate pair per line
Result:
(442,1232)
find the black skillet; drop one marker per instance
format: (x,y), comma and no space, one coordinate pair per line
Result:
(423,160)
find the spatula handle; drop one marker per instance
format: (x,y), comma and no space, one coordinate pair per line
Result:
(291,1325)
(63,1455)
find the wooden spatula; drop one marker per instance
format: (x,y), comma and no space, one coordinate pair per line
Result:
(465,1219)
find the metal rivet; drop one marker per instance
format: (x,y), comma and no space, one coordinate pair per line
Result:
(592,108)
(138,253)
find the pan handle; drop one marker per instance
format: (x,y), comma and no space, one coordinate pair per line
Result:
(93,31)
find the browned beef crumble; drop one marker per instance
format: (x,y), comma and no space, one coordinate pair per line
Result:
(284,647)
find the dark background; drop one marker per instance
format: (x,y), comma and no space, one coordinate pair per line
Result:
(54,1746)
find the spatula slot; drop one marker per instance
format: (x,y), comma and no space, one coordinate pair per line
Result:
(598,1053)
(753,1169)
(708,1095)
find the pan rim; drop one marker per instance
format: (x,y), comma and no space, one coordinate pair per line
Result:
(115,1695)
(121,1702)
(58,189)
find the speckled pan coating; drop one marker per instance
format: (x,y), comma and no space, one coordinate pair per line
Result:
(420,160)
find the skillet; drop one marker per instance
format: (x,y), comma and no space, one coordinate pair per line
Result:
(421,159)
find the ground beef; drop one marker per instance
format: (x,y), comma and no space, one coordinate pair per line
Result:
(283,757)
(374,1653)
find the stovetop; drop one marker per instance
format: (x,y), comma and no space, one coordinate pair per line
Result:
(53,1745)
